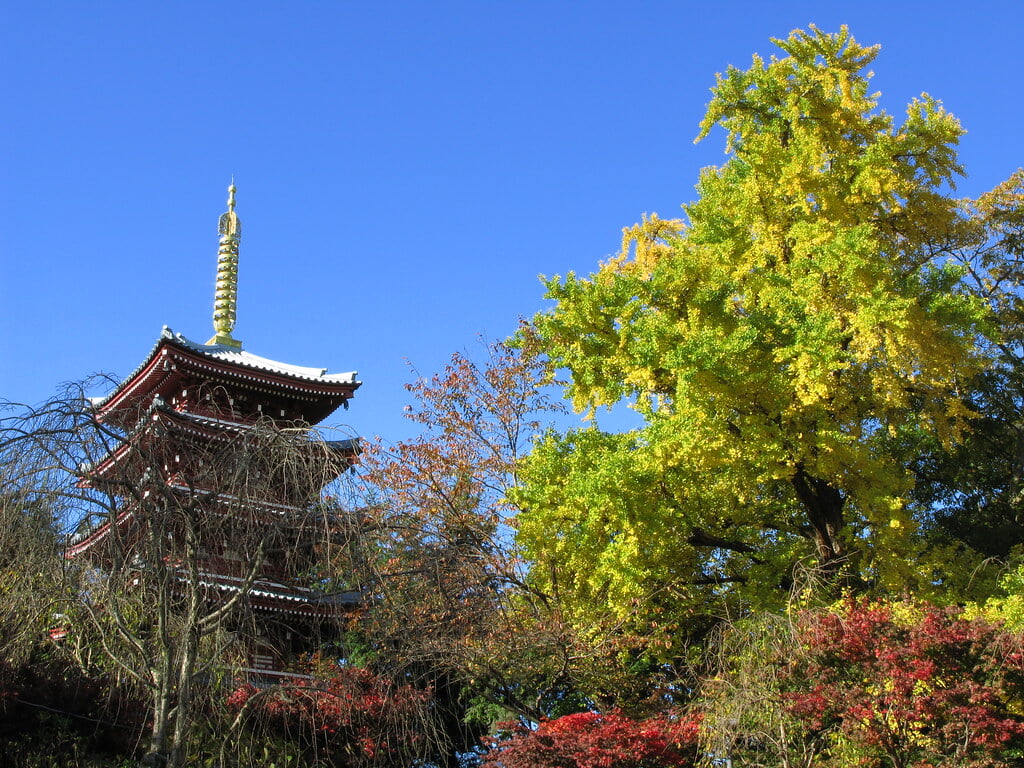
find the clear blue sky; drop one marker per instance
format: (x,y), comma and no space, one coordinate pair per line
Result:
(405,169)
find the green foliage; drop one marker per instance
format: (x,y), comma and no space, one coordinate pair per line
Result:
(1006,605)
(976,491)
(805,311)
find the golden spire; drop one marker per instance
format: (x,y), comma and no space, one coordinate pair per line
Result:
(225,297)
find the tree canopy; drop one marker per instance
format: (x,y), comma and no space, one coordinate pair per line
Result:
(806,310)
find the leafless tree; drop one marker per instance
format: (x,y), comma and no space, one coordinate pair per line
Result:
(180,523)
(32,572)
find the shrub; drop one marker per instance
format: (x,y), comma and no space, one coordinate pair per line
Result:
(596,740)
(354,717)
(908,685)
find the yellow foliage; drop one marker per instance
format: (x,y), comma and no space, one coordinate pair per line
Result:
(776,342)
(644,245)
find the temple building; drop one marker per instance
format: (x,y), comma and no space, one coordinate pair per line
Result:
(217,443)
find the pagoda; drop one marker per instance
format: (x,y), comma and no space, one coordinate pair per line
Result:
(182,429)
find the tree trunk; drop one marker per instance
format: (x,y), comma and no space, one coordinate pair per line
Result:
(163,674)
(184,714)
(824,507)
(156,755)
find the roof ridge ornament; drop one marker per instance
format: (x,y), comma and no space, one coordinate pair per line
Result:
(225,298)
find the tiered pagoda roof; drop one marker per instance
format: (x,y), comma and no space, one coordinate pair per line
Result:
(187,395)
(175,361)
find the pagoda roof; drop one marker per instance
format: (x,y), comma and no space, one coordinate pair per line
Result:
(89,535)
(279,596)
(155,375)
(265,592)
(239,357)
(203,426)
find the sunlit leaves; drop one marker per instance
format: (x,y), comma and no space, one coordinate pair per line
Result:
(907,683)
(805,309)
(866,682)
(597,740)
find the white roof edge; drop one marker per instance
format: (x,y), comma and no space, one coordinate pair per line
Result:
(239,356)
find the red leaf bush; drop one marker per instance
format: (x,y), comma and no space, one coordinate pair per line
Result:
(353,717)
(596,740)
(910,686)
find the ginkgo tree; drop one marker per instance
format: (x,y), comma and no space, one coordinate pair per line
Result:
(806,309)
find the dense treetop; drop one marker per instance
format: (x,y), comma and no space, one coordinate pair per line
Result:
(806,312)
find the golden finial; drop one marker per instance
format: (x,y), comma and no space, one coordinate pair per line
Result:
(225,297)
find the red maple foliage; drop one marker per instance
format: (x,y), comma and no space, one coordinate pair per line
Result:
(360,717)
(931,690)
(597,740)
